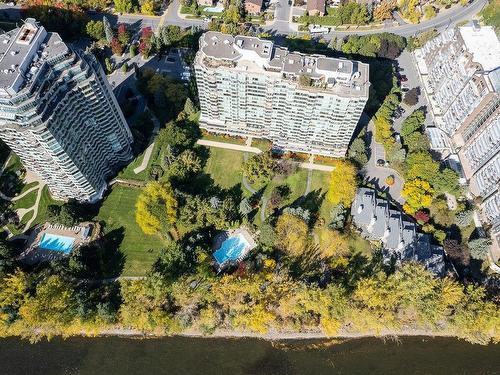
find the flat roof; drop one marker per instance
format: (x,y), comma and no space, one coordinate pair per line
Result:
(22,53)
(347,77)
(483,43)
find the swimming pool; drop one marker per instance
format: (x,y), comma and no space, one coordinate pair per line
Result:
(231,249)
(56,243)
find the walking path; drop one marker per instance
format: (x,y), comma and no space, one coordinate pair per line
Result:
(149,150)
(34,207)
(255,150)
(308,183)
(17,197)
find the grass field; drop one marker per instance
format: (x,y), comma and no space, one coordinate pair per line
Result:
(128,172)
(45,201)
(27,201)
(224,166)
(140,250)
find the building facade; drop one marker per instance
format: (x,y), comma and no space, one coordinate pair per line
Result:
(303,103)
(58,113)
(460,73)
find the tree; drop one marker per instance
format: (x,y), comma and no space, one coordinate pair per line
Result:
(333,243)
(68,215)
(172,262)
(123,34)
(292,234)
(429,12)
(343,183)
(413,122)
(189,107)
(411,96)
(383,11)
(185,165)
(479,247)
(156,208)
(108,31)
(464,218)
(95,30)
(418,194)
(51,308)
(357,152)
(457,252)
(421,165)
(416,141)
(6,257)
(123,6)
(279,194)
(133,50)
(441,212)
(446,181)
(148,7)
(145,41)
(422,217)
(116,46)
(260,168)
(178,135)
(338,215)
(109,65)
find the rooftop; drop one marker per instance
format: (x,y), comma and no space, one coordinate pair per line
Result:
(22,53)
(483,43)
(256,55)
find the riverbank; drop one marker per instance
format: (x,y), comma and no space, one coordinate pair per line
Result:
(276,335)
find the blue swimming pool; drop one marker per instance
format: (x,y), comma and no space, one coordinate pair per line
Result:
(231,249)
(56,243)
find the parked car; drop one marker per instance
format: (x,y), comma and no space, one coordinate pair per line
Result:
(403,78)
(380,162)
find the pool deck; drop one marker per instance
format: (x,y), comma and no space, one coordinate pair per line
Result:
(81,234)
(219,239)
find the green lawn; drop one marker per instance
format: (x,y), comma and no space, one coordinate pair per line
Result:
(27,201)
(128,172)
(224,166)
(45,201)
(140,250)
(223,138)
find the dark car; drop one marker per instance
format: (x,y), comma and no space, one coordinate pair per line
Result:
(403,78)
(380,162)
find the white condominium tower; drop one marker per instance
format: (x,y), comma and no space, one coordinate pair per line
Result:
(59,114)
(460,72)
(304,103)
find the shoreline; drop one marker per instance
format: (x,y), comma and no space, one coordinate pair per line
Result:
(274,336)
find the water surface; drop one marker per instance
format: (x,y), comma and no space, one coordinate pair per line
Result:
(178,355)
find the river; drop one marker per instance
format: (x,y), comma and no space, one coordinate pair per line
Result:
(179,355)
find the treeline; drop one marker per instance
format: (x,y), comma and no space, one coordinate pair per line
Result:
(350,13)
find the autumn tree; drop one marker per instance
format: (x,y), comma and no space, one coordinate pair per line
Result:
(148,7)
(421,165)
(458,253)
(411,96)
(123,34)
(418,194)
(383,11)
(440,211)
(156,208)
(123,6)
(333,243)
(343,183)
(292,234)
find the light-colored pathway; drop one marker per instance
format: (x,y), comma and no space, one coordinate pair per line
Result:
(255,150)
(35,208)
(17,197)
(229,146)
(149,150)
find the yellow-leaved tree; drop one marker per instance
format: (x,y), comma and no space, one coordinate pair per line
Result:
(156,208)
(343,183)
(418,194)
(292,233)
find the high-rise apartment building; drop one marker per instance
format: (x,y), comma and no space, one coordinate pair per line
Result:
(304,103)
(460,72)
(59,114)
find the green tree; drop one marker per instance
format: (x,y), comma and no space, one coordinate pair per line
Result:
(446,181)
(357,152)
(479,247)
(260,168)
(416,141)
(95,30)
(413,123)
(421,165)
(440,211)
(172,262)
(123,6)
(108,31)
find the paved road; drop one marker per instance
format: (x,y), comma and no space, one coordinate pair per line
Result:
(447,18)
(377,175)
